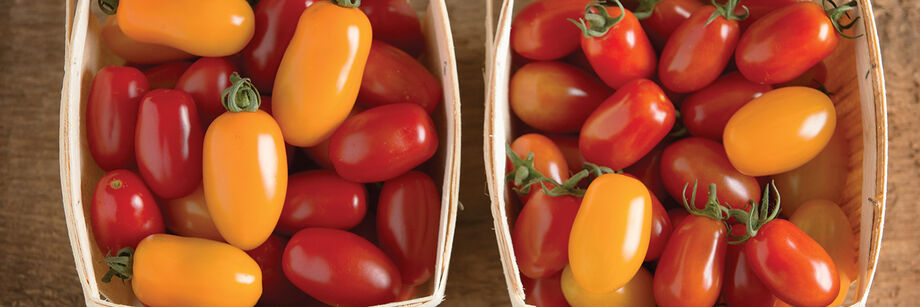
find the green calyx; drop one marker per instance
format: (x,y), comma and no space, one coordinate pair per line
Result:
(836,12)
(727,11)
(645,9)
(712,210)
(120,265)
(241,96)
(352,4)
(524,176)
(760,214)
(600,22)
(109,7)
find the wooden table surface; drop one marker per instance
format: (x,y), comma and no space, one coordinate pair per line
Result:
(36,266)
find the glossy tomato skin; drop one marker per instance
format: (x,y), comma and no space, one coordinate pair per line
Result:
(554,96)
(824,177)
(544,292)
(277,290)
(383,142)
(123,212)
(706,111)
(568,145)
(698,51)
(393,76)
(171,270)
(689,272)
(542,31)
(408,216)
(169,140)
(206,80)
(395,22)
(319,153)
(320,198)
(541,234)
(703,161)
(610,235)
(793,266)
(759,8)
(275,24)
(785,43)
(779,131)
(111,115)
(826,223)
(741,287)
(623,54)
(660,232)
(666,17)
(134,51)
(188,216)
(627,125)
(636,293)
(324,263)
(166,75)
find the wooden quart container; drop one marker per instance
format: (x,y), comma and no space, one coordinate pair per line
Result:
(85,55)
(855,78)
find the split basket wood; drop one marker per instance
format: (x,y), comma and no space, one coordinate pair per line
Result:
(854,76)
(84,56)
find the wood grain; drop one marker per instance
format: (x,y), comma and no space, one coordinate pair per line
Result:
(35,260)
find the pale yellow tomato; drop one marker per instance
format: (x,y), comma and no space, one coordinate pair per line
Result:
(827,224)
(824,177)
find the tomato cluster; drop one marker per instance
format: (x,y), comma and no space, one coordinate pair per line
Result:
(689,99)
(206,201)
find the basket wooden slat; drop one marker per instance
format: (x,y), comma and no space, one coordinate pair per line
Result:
(79,174)
(855,77)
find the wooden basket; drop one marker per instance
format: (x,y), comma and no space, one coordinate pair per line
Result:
(84,56)
(854,75)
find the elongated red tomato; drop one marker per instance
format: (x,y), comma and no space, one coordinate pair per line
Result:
(206,80)
(648,170)
(169,140)
(541,234)
(547,158)
(544,292)
(340,268)
(568,145)
(408,215)
(665,17)
(321,198)
(277,290)
(554,96)
(660,232)
(706,111)
(541,31)
(619,50)
(627,125)
(699,49)
(111,115)
(166,75)
(703,162)
(123,212)
(275,22)
(785,43)
(689,272)
(742,288)
(393,76)
(610,235)
(760,8)
(793,266)
(395,22)
(383,142)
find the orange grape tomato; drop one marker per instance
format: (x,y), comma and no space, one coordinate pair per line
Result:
(171,270)
(636,293)
(210,28)
(611,233)
(320,73)
(245,176)
(188,216)
(548,159)
(779,131)
(824,177)
(825,222)
(137,52)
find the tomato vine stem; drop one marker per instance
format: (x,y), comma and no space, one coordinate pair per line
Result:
(759,214)
(597,24)
(728,11)
(836,12)
(645,9)
(352,4)
(109,7)
(524,176)
(120,265)
(241,96)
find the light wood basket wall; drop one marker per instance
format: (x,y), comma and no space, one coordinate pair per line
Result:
(84,56)
(855,77)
